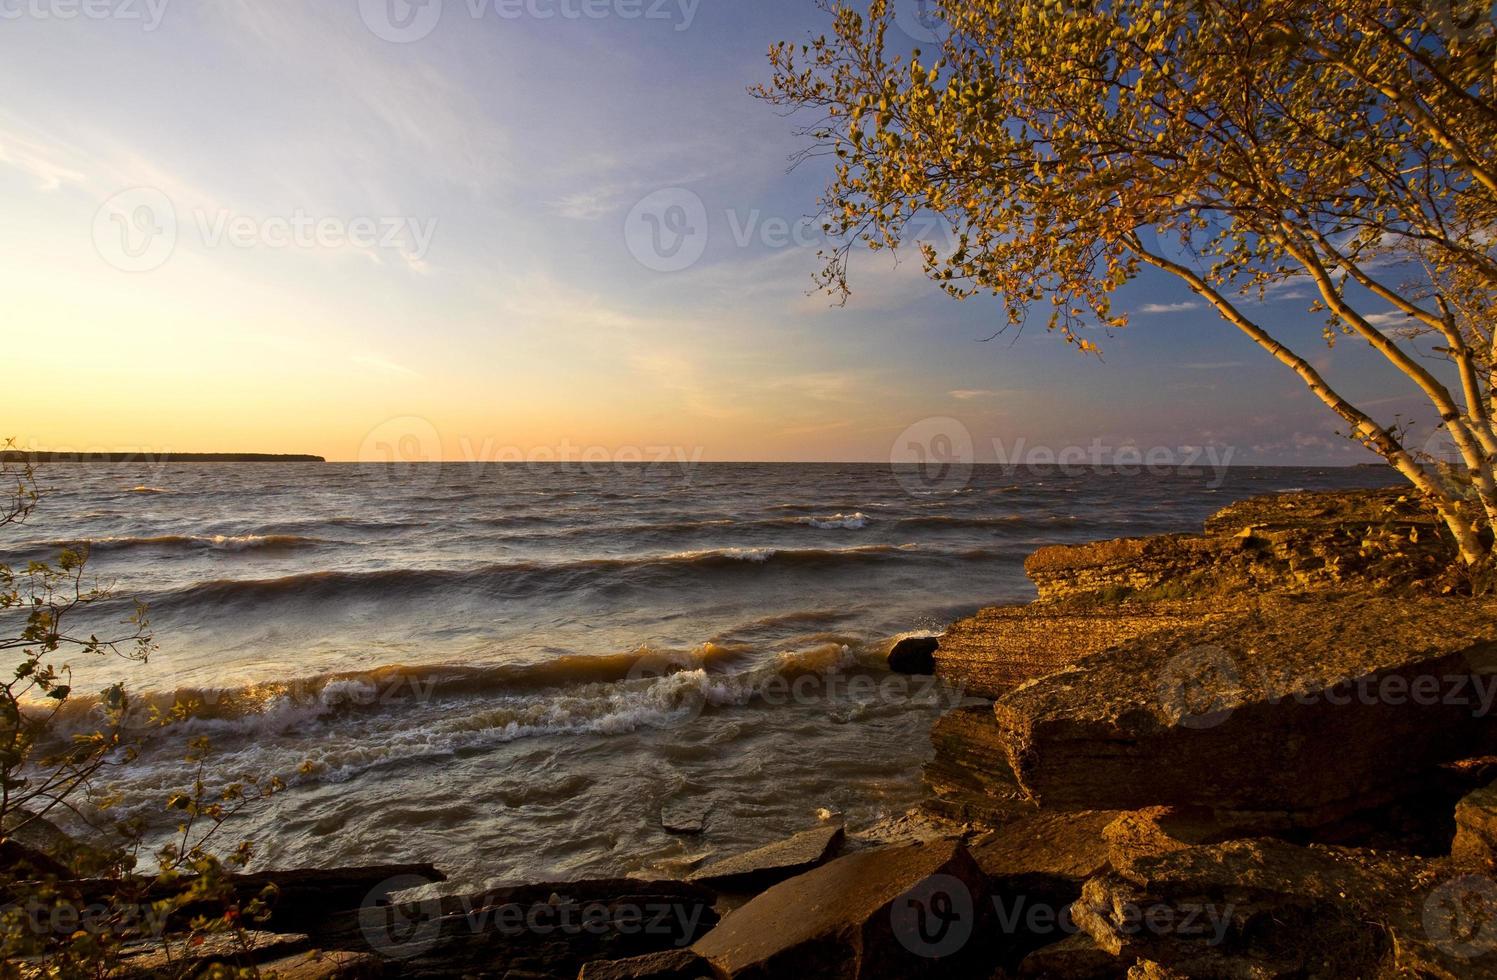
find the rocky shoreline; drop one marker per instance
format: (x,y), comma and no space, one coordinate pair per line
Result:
(1264,750)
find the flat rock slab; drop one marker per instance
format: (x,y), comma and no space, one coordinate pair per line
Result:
(325,965)
(675,964)
(1267,908)
(1297,711)
(772,863)
(1001,647)
(911,911)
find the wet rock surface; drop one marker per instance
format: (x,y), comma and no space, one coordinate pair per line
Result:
(772,863)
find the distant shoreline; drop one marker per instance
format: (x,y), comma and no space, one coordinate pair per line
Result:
(16,456)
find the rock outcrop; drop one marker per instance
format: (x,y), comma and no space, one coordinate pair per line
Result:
(969,777)
(1297,713)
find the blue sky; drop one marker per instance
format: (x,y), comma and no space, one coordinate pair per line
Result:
(448,238)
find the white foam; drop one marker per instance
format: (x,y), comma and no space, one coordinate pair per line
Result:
(848,522)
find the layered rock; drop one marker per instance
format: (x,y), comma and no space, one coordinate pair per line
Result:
(1001,647)
(969,777)
(1377,539)
(1295,714)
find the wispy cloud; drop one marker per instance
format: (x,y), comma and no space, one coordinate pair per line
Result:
(968,394)
(1169,307)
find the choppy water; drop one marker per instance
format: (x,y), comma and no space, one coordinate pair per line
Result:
(510,670)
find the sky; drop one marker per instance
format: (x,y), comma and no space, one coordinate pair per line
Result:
(526,229)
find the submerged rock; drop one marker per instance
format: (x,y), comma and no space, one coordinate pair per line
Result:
(914,655)
(1292,715)
(775,862)
(685,816)
(913,911)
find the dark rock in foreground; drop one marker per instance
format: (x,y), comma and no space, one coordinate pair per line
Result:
(1476,829)
(914,655)
(772,863)
(1296,713)
(913,911)
(1266,908)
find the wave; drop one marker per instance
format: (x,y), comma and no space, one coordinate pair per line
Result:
(936,521)
(345,724)
(192,542)
(515,579)
(145,489)
(850,522)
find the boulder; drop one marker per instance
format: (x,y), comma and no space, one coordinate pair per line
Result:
(914,655)
(1293,713)
(672,964)
(1001,647)
(1475,841)
(1151,832)
(913,911)
(1268,908)
(764,866)
(969,776)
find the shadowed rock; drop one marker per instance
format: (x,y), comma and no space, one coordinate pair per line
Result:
(969,776)
(1294,714)
(1266,908)
(1077,957)
(775,862)
(914,655)
(1476,829)
(912,911)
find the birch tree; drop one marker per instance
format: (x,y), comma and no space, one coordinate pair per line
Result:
(1235,146)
